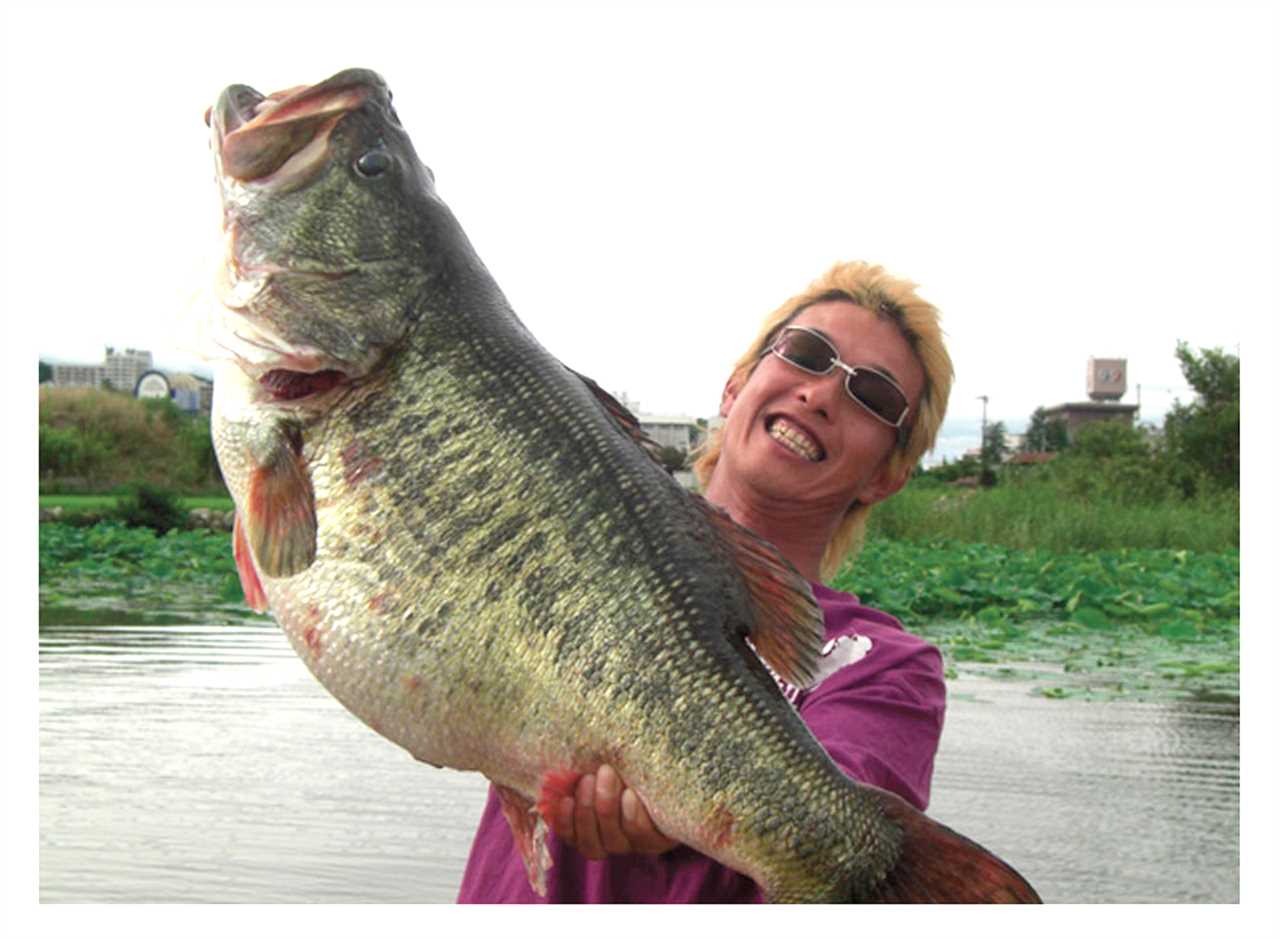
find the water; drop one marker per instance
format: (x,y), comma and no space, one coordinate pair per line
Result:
(205,764)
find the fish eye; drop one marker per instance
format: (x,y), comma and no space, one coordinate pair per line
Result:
(373,163)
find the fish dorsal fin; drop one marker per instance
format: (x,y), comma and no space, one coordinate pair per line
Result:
(627,422)
(788,631)
(280,508)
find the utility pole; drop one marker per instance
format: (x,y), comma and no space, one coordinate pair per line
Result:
(983,399)
(982,451)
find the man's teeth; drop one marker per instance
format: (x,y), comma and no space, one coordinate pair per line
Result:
(795,440)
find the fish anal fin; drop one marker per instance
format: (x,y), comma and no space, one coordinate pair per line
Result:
(938,865)
(254,596)
(627,422)
(788,631)
(529,832)
(280,512)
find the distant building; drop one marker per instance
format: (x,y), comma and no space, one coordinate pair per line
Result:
(1080,413)
(123,369)
(131,371)
(69,375)
(189,393)
(120,370)
(1106,381)
(680,432)
(1034,458)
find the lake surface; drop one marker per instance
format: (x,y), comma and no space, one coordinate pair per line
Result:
(205,764)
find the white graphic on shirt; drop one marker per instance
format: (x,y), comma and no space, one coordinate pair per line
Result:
(835,655)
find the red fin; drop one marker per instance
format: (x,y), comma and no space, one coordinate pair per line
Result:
(627,422)
(556,785)
(788,631)
(529,832)
(254,595)
(280,512)
(938,865)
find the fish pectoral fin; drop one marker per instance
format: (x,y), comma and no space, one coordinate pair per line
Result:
(254,596)
(627,422)
(788,629)
(529,832)
(280,513)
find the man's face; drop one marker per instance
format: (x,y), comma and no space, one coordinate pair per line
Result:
(797,437)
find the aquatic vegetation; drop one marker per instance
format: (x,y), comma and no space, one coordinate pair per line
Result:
(1131,623)
(1125,623)
(112,574)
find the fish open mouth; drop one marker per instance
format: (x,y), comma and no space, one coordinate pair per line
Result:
(261,135)
(285,385)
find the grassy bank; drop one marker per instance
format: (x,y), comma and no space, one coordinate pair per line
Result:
(93,440)
(106,503)
(1033,514)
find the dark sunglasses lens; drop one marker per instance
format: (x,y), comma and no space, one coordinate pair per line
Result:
(877,394)
(805,350)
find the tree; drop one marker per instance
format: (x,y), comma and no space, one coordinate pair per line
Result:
(1106,440)
(994,447)
(1202,439)
(1044,435)
(673,458)
(1109,460)
(956,469)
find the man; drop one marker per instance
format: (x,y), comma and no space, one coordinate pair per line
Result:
(826,414)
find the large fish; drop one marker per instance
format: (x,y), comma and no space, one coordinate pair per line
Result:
(468,545)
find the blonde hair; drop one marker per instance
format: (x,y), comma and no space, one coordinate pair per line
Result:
(872,288)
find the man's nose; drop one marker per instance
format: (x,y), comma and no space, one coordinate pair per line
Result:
(821,393)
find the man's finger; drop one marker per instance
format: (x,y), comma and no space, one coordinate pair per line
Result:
(608,812)
(587,834)
(639,828)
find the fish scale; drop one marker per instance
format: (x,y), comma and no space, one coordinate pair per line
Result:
(470,547)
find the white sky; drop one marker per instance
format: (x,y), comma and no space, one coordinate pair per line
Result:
(645,183)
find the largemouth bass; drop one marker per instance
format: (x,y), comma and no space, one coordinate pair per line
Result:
(470,548)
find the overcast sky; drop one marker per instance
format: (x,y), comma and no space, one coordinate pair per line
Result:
(646,182)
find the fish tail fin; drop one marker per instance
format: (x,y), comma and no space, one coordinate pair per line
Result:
(938,865)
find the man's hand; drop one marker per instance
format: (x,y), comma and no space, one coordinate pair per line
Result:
(603,817)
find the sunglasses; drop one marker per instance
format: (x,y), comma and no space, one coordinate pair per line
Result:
(809,351)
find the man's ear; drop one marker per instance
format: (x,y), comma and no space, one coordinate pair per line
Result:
(885,483)
(730,393)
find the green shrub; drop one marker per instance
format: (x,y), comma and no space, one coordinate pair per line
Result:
(150,506)
(93,440)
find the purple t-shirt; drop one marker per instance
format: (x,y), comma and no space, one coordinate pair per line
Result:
(878,712)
